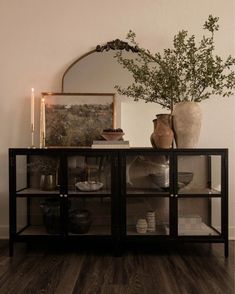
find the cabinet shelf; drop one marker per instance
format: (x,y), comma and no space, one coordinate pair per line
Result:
(34,191)
(204,230)
(41,230)
(146,192)
(101,193)
(201,191)
(160,230)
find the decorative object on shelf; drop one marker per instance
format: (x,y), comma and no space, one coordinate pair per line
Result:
(184,178)
(110,144)
(89,186)
(48,182)
(51,215)
(162,136)
(187,118)
(76,119)
(187,72)
(161,177)
(79,221)
(141,226)
(151,221)
(112,134)
(47,167)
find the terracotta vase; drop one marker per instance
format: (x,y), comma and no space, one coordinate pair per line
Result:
(187,124)
(162,136)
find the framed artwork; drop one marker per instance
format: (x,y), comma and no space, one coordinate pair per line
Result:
(75,119)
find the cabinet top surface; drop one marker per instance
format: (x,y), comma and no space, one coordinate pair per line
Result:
(124,150)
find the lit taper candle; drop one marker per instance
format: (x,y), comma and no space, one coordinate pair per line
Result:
(32,109)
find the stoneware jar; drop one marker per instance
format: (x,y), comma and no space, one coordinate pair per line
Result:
(141,226)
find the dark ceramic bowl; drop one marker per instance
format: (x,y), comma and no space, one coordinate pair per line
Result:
(79,221)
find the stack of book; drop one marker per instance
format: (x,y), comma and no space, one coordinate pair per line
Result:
(110,144)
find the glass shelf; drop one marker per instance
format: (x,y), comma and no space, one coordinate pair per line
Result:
(160,230)
(30,191)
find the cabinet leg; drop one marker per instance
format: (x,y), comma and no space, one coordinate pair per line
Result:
(11,248)
(226,249)
(118,250)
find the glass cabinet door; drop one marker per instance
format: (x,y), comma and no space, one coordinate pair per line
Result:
(90,194)
(147,216)
(147,192)
(199,216)
(89,216)
(89,175)
(37,174)
(38,216)
(38,205)
(147,174)
(199,174)
(199,190)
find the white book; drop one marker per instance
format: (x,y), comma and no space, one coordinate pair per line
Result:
(111,142)
(103,146)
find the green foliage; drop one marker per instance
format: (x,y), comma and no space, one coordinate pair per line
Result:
(188,72)
(45,165)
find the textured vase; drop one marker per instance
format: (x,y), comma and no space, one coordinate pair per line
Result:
(187,124)
(47,182)
(162,136)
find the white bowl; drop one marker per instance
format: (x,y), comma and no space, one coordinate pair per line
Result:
(89,186)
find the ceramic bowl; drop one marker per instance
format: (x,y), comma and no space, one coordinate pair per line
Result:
(185,178)
(112,136)
(89,186)
(160,179)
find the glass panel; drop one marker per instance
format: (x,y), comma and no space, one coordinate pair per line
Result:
(37,174)
(91,216)
(147,216)
(147,174)
(21,172)
(89,174)
(199,216)
(38,216)
(199,174)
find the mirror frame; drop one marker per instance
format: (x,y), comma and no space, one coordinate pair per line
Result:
(116,44)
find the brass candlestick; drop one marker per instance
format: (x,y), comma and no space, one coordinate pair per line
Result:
(32,136)
(42,140)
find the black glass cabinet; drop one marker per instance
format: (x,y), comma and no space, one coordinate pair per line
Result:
(118,197)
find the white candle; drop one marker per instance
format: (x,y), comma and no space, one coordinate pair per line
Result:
(43,117)
(32,109)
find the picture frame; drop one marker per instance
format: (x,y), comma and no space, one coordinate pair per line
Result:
(75,119)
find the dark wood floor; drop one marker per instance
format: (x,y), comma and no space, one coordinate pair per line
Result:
(189,269)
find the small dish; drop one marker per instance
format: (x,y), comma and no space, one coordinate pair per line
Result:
(112,136)
(89,186)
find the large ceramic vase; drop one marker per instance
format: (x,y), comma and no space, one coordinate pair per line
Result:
(162,136)
(187,124)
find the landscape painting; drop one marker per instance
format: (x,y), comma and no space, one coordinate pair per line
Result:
(77,119)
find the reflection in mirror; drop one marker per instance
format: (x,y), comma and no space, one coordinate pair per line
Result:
(99,72)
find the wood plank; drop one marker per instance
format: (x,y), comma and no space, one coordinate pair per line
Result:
(178,269)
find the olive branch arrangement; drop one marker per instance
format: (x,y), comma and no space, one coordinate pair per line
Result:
(187,72)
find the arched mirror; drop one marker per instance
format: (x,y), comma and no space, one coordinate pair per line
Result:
(98,72)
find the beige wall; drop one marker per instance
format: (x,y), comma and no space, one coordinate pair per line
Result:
(40,38)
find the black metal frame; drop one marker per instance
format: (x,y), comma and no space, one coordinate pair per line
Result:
(118,195)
